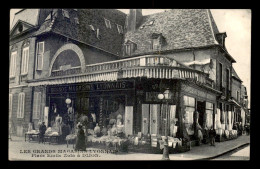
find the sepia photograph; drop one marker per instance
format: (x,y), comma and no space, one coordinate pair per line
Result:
(129,84)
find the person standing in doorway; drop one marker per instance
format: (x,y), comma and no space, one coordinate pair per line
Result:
(42,130)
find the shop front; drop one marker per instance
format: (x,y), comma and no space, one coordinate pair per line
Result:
(120,103)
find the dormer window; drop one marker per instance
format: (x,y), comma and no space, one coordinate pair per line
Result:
(157,41)
(120,29)
(65,13)
(220,37)
(129,47)
(107,22)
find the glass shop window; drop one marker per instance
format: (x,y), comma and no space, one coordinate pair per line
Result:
(209,114)
(189,103)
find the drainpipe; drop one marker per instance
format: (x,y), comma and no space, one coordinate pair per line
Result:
(34,62)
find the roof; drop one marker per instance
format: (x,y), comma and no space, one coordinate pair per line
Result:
(29,16)
(234,74)
(109,40)
(182,28)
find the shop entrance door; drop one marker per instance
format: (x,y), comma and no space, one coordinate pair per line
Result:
(201,106)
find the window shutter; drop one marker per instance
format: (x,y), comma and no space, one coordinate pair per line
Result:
(10,105)
(27,60)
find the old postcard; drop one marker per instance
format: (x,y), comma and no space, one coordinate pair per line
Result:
(129,84)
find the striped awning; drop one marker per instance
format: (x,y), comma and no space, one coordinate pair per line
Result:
(109,76)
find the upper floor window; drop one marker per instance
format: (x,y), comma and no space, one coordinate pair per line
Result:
(128,49)
(220,75)
(238,96)
(36,105)
(25,61)
(65,13)
(120,29)
(107,22)
(13,63)
(228,79)
(40,54)
(20,108)
(10,105)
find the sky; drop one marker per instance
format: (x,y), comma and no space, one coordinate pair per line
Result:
(237,25)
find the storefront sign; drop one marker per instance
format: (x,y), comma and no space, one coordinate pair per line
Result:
(118,85)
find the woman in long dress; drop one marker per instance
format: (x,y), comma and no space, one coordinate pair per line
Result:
(80,140)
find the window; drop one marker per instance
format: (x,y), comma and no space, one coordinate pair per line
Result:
(20,109)
(13,64)
(189,103)
(156,45)
(120,29)
(40,54)
(36,105)
(25,61)
(209,114)
(65,13)
(107,22)
(220,75)
(10,105)
(128,49)
(228,79)
(238,95)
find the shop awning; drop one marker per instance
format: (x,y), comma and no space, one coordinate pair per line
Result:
(150,66)
(109,76)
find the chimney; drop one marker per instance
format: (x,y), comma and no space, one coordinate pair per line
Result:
(133,19)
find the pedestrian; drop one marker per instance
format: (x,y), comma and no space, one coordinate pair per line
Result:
(80,140)
(42,130)
(212,135)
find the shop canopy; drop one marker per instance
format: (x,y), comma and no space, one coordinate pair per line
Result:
(149,66)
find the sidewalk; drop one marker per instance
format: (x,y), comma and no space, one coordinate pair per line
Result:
(18,145)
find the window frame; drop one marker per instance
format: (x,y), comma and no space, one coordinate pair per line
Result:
(42,55)
(20,105)
(25,63)
(13,58)
(107,23)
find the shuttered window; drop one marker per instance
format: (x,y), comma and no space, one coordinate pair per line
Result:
(10,105)
(40,52)
(25,61)
(13,64)
(36,105)
(20,108)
